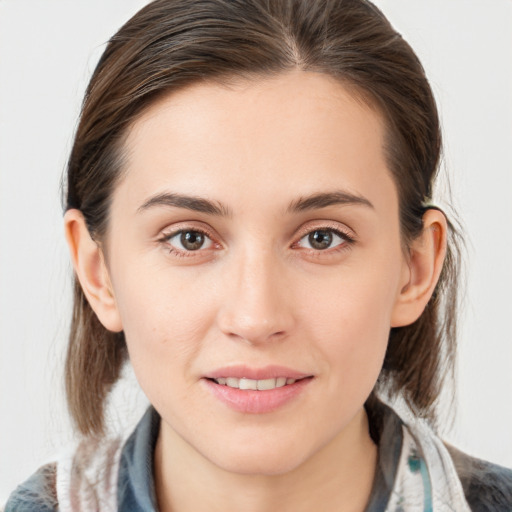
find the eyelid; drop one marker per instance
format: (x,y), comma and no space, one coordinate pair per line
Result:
(178,234)
(326,225)
(168,233)
(340,229)
(348,240)
(178,227)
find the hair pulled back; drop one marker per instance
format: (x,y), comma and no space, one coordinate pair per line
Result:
(170,44)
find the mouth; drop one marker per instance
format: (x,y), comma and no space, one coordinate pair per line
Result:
(256,384)
(257,391)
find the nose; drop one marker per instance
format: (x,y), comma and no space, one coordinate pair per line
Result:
(257,303)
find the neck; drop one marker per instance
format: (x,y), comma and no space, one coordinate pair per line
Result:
(338,476)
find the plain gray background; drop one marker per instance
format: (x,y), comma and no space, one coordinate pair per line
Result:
(48,49)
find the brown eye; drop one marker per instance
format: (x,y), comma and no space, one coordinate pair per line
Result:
(192,240)
(189,240)
(322,239)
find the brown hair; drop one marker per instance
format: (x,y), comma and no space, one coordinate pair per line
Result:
(172,43)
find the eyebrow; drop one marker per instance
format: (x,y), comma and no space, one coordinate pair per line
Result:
(196,204)
(305,203)
(325,199)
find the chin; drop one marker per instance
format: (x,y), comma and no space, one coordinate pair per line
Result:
(258,460)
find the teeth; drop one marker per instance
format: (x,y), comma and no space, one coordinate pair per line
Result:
(266,384)
(261,385)
(248,384)
(280,382)
(232,382)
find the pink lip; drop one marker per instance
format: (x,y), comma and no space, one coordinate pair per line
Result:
(268,372)
(256,402)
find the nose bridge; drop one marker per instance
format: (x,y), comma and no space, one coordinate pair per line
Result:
(255,307)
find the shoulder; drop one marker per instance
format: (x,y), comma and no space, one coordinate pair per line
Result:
(73,483)
(95,475)
(487,486)
(37,494)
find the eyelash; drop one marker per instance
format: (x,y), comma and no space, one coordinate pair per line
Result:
(179,253)
(347,241)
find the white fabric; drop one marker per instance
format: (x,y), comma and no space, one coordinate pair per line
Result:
(426,479)
(87,480)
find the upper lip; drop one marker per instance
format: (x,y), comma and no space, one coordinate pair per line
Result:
(266,372)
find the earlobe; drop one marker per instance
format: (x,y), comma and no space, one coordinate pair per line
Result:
(91,270)
(424,265)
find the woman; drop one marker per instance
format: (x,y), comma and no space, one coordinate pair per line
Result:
(264,322)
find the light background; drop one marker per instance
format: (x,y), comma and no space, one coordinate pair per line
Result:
(48,48)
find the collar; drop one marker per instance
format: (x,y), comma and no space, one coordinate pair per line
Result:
(136,487)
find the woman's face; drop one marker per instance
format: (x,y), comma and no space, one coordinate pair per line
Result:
(254,239)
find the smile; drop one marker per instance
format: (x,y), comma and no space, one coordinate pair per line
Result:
(252,384)
(257,391)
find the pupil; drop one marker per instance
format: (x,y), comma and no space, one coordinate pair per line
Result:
(320,239)
(192,240)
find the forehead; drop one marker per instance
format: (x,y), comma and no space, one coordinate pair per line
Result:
(276,137)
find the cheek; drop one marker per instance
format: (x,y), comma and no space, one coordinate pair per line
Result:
(165,320)
(350,317)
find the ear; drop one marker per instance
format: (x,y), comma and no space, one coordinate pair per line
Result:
(421,270)
(91,270)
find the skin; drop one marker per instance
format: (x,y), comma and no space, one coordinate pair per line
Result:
(258,292)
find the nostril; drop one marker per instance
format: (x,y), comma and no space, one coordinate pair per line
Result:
(255,338)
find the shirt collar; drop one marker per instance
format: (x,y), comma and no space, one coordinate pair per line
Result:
(136,486)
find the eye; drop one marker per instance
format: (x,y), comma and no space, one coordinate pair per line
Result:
(189,240)
(322,239)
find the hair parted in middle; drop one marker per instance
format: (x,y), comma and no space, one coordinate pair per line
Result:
(171,44)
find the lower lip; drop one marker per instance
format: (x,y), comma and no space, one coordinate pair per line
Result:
(257,402)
